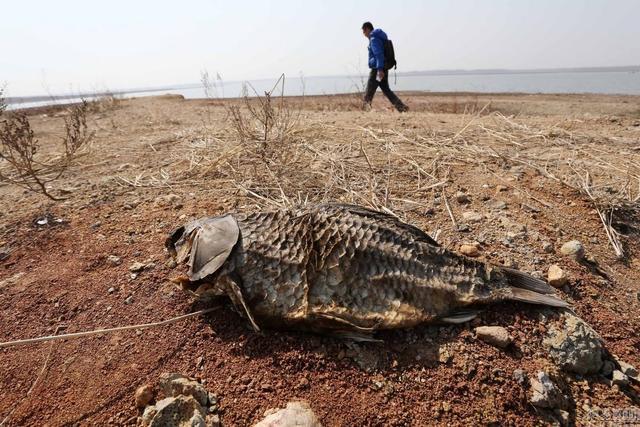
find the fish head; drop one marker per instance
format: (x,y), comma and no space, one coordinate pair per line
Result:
(204,245)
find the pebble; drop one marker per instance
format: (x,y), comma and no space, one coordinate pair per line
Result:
(462,198)
(573,249)
(472,216)
(494,335)
(136,267)
(498,205)
(619,379)
(500,188)
(557,276)
(111,290)
(628,369)
(129,300)
(469,250)
(547,247)
(520,376)
(114,260)
(144,395)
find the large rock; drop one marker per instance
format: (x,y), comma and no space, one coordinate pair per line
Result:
(180,411)
(296,414)
(177,384)
(545,394)
(575,346)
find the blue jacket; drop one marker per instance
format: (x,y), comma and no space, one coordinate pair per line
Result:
(376,49)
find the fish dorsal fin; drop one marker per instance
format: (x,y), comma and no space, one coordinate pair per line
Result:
(212,245)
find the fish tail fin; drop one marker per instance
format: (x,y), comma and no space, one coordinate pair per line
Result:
(532,297)
(526,288)
(519,279)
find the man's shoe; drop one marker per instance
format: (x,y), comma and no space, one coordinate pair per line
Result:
(402,108)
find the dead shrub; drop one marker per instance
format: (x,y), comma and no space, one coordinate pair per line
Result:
(20,163)
(268,120)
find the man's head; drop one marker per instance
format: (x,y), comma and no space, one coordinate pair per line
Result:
(367,27)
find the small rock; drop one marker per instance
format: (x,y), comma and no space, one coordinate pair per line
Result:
(547,247)
(494,335)
(520,376)
(619,379)
(111,290)
(136,267)
(500,188)
(575,346)
(469,250)
(545,394)
(9,281)
(472,216)
(529,208)
(628,369)
(498,205)
(171,263)
(573,249)
(114,260)
(303,383)
(462,198)
(556,276)
(143,396)
(295,414)
(129,300)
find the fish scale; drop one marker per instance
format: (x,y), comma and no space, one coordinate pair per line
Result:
(337,268)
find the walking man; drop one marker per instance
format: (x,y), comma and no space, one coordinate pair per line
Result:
(378,74)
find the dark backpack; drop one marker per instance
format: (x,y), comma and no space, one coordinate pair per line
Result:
(389,55)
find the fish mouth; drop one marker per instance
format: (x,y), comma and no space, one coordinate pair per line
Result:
(180,241)
(198,288)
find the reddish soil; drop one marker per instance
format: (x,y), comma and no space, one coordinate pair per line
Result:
(431,375)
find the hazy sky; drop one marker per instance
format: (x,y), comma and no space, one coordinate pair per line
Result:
(68,45)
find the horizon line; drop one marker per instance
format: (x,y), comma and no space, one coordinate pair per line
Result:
(436,72)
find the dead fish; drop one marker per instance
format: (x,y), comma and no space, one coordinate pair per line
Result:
(341,269)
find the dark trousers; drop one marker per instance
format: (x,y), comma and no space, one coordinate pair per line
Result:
(373,84)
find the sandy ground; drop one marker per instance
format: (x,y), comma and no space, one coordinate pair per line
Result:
(156,162)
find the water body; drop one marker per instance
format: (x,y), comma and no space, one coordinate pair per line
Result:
(563,82)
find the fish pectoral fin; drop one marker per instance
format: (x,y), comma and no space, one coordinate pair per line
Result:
(355,336)
(238,300)
(346,322)
(458,317)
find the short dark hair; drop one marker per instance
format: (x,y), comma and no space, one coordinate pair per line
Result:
(367,26)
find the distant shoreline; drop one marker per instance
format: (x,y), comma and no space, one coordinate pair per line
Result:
(121,92)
